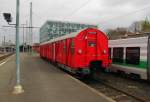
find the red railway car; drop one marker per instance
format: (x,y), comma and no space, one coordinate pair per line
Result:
(80,52)
(36,47)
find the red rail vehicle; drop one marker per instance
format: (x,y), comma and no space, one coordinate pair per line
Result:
(36,47)
(80,53)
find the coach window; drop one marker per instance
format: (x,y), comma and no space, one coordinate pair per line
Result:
(109,53)
(64,48)
(133,55)
(118,54)
(72,47)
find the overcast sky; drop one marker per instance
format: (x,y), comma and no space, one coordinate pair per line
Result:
(105,13)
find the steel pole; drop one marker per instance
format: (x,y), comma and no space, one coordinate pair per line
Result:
(18,88)
(23,39)
(17,43)
(31,28)
(27,36)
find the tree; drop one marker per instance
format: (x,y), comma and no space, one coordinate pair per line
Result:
(135,27)
(146,25)
(116,33)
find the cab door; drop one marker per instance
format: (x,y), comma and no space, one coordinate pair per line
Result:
(91,47)
(148,58)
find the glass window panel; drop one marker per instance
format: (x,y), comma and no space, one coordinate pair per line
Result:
(133,55)
(118,54)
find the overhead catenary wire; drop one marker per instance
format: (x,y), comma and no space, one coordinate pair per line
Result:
(37,15)
(104,23)
(76,10)
(87,2)
(127,14)
(70,14)
(83,5)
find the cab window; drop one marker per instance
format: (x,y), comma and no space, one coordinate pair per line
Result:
(91,43)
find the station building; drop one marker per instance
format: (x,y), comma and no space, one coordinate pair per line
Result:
(7,47)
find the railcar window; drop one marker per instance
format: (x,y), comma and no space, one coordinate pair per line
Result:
(72,47)
(92,43)
(118,54)
(64,47)
(133,55)
(109,53)
(72,43)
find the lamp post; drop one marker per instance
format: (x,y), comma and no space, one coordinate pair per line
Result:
(7,16)
(18,88)
(30,29)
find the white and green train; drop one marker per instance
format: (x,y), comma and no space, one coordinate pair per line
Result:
(131,56)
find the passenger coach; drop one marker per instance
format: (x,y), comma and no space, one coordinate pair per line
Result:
(131,56)
(80,52)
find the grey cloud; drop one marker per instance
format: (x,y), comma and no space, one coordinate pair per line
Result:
(106,13)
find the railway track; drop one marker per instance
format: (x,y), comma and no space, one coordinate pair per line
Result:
(115,91)
(5,56)
(123,92)
(118,88)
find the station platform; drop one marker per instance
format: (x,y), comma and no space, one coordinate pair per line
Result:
(43,82)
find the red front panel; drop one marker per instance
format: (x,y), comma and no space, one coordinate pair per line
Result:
(91,45)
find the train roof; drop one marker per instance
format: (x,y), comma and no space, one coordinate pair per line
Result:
(124,39)
(140,41)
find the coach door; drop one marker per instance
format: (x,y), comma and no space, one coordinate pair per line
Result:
(148,58)
(92,46)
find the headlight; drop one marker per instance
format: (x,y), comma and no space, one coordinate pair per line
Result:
(104,51)
(80,51)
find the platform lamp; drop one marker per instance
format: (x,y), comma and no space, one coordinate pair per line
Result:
(18,89)
(7,17)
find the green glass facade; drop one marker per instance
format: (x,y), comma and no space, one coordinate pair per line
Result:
(53,29)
